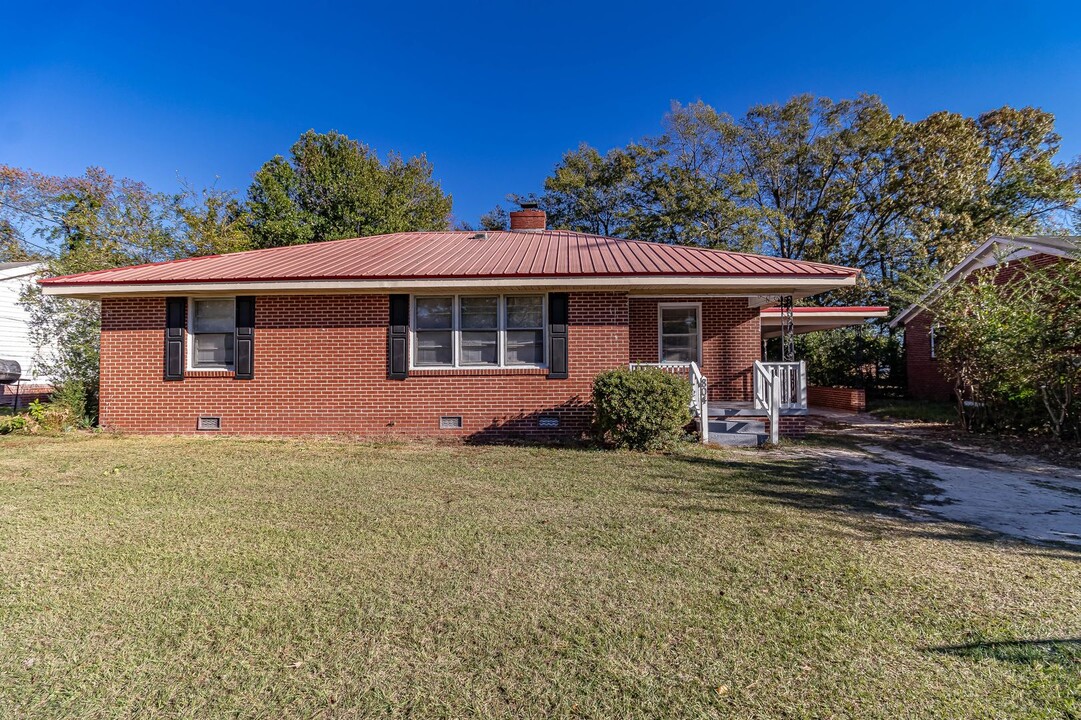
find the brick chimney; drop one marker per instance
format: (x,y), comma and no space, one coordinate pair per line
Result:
(530,218)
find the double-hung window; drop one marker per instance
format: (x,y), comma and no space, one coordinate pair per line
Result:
(679,333)
(213,330)
(478,331)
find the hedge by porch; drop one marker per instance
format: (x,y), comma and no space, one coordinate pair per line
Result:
(643,409)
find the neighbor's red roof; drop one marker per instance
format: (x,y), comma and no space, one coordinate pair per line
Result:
(419,255)
(860,309)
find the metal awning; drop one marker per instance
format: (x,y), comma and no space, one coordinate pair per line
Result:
(813,319)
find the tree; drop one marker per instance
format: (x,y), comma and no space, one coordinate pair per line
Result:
(589,192)
(495,219)
(209,222)
(1013,351)
(333,187)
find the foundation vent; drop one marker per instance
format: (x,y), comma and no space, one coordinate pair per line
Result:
(548,421)
(208,422)
(450,422)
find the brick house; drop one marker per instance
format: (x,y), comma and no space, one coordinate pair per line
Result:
(467,334)
(1004,256)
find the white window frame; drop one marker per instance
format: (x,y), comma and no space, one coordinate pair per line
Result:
(660,328)
(189,344)
(931,340)
(456,331)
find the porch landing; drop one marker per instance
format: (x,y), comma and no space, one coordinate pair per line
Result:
(725,409)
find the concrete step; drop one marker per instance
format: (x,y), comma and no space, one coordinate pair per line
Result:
(737,433)
(737,426)
(737,439)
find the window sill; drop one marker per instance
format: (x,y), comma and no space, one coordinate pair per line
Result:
(442,372)
(208,373)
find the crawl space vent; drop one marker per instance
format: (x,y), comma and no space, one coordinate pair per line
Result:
(208,422)
(450,422)
(548,421)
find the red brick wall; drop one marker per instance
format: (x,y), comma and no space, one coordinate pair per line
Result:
(731,341)
(792,427)
(320,367)
(837,398)
(27,392)
(925,379)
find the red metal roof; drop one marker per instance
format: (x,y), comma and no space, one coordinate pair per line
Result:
(420,255)
(855,309)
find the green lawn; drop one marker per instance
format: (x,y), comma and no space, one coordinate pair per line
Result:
(916,410)
(214,577)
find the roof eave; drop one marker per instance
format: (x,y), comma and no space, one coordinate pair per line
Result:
(767,284)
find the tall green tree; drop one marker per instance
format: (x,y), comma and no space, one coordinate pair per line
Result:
(333,187)
(843,181)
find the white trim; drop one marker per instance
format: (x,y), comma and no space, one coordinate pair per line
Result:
(189,340)
(660,330)
(754,285)
(455,332)
(1016,247)
(22,270)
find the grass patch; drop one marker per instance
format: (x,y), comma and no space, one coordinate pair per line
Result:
(914,410)
(216,577)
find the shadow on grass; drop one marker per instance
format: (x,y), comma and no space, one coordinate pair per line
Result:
(1059,651)
(855,498)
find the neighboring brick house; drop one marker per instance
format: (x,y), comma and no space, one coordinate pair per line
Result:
(1006,257)
(470,334)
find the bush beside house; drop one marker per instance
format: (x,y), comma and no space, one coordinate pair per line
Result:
(644,409)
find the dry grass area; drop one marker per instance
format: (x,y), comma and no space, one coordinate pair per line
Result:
(244,578)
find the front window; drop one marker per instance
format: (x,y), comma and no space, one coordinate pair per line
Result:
(679,333)
(434,322)
(525,330)
(478,331)
(213,328)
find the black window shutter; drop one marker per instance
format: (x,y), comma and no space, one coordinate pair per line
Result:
(398,338)
(174,337)
(557,335)
(244,363)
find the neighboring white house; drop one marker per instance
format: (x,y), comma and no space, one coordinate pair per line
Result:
(15,341)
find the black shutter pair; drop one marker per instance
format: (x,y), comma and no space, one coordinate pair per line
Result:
(398,337)
(244,344)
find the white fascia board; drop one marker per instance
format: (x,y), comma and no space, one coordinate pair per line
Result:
(22,271)
(683,284)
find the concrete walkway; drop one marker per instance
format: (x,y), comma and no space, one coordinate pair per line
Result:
(1019,496)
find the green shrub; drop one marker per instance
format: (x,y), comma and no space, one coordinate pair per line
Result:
(644,409)
(13,423)
(69,405)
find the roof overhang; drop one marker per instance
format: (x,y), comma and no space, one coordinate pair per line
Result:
(687,284)
(15,270)
(813,319)
(996,249)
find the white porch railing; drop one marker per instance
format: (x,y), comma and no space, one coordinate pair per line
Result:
(699,390)
(779,386)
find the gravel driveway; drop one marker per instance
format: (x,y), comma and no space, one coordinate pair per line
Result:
(1019,496)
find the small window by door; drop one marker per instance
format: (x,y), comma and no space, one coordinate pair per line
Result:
(680,333)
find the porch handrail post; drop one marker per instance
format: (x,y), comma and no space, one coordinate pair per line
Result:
(775,407)
(803,383)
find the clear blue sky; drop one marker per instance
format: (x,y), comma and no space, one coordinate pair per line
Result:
(495,93)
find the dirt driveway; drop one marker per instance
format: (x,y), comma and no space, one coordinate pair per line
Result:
(1020,496)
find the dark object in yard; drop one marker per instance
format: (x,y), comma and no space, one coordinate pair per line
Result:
(10,372)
